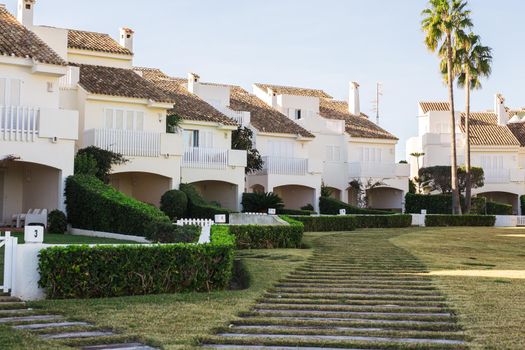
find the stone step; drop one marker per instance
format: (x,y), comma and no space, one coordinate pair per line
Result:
(122,346)
(359,313)
(8,298)
(353,302)
(354,296)
(343,290)
(277,347)
(345,307)
(15,311)
(397,286)
(352,319)
(32,318)
(37,326)
(81,334)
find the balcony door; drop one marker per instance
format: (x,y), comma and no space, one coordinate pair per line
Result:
(10,91)
(198,139)
(281,149)
(121,119)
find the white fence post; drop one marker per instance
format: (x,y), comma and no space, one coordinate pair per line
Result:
(10,244)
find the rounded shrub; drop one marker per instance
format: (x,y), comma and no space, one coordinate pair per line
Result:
(56,222)
(174,203)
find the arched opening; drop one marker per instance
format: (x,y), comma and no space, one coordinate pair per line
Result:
(296,196)
(146,187)
(222,193)
(25,186)
(335,193)
(503,197)
(257,189)
(385,198)
(352,196)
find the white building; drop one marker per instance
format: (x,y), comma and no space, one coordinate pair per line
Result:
(497,145)
(208,162)
(37,137)
(347,144)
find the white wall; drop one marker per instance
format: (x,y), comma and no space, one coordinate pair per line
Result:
(56,38)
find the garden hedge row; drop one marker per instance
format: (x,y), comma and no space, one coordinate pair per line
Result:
(433,204)
(110,271)
(198,208)
(351,222)
(93,205)
(265,236)
(331,206)
(494,208)
(297,212)
(459,220)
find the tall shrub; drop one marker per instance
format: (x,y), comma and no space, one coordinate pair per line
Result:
(174,203)
(331,206)
(259,202)
(198,207)
(105,160)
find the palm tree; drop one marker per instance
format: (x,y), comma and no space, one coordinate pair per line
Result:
(473,63)
(444,23)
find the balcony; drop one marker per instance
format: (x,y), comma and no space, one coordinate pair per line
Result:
(284,166)
(242,118)
(440,139)
(379,170)
(27,124)
(213,158)
(134,143)
(497,176)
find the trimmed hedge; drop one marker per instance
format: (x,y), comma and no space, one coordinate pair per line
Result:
(166,232)
(111,271)
(478,206)
(56,222)
(383,221)
(433,204)
(93,205)
(495,208)
(198,208)
(459,220)
(296,212)
(351,222)
(331,206)
(327,223)
(266,236)
(174,203)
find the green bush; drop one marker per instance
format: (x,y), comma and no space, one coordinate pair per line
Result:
(104,161)
(331,206)
(522,203)
(166,232)
(259,202)
(93,205)
(112,271)
(459,220)
(495,208)
(266,236)
(174,204)
(56,222)
(308,207)
(327,223)
(301,212)
(433,204)
(198,208)
(383,221)
(478,206)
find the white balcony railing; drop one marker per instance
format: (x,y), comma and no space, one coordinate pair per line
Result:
(497,176)
(126,142)
(19,123)
(205,158)
(70,80)
(284,166)
(240,117)
(372,169)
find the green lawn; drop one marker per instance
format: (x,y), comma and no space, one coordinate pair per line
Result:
(491,309)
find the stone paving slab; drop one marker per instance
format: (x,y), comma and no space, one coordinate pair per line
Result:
(35,326)
(83,334)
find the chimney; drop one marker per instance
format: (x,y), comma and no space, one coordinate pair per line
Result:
(500,110)
(193,83)
(353,99)
(126,38)
(25,12)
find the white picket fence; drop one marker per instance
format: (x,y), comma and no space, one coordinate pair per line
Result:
(520,221)
(197,222)
(9,244)
(258,214)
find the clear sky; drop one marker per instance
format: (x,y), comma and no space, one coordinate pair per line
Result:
(320,44)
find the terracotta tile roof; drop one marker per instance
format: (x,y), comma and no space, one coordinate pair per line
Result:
(356,126)
(434,106)
(485,131)
(263,117)
(187,105)
(290,90)
(121,82)
(518,130)
(82,40)
(16,40)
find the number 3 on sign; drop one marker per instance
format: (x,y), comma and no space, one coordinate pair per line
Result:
(36,233)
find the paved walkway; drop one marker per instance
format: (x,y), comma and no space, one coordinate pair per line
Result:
(56,328)
(356,292)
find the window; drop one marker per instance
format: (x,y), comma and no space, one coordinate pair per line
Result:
(198,138)
(281,149)
(123,119)
(298,114)
(10,91)
(371,155)
(333,153)
(492,162)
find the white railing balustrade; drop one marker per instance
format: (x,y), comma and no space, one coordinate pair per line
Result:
(126,142)
(10,247)
(284,166)
(240,117)
(257,214)
(70,80)
(497,176)
(18,123)
(372,169)
(196,222)
(520,221)
(206,158)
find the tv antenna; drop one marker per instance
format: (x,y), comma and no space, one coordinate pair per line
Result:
(376,101)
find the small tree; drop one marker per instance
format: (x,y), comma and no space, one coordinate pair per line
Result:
(437,178)
(173,123)
(105,160)
(363,199)
(326,191)
(242,140)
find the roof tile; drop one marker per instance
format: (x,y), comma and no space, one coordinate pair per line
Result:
(291,90)
(83,40)
(485,131)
